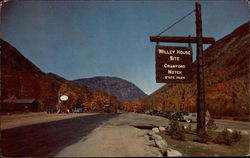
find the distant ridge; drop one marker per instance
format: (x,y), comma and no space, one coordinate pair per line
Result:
(120,88)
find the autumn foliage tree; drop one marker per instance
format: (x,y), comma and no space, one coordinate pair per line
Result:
(133,106)
(77,96)
(92,101)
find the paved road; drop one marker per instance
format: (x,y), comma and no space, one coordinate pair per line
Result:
(46,139)
(91,135)
(24,119)
(84,135)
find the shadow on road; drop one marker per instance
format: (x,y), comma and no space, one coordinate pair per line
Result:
(47,139)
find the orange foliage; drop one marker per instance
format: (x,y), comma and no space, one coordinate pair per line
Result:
(90,100)
(133,106)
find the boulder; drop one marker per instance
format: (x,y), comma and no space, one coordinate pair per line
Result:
(173,153)
(162,128)
(155,130)
(229,130)
(151,143)
(243,132)
(150,133)
(162,144)
(185,127)
(156,137)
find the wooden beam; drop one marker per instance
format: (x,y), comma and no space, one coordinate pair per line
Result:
(181,39)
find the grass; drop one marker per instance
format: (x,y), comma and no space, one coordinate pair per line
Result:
(189,147)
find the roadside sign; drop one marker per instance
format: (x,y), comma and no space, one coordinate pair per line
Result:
(173,64)
(64,97)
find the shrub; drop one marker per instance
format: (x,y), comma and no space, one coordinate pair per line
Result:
(176,131)
(236,136)
(207,136)
(189,128)
(225,137)
(204,137)
(211,125)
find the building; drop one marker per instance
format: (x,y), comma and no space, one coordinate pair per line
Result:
(19,105)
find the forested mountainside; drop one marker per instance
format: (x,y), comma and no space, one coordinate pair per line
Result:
(21,79)
(226,80)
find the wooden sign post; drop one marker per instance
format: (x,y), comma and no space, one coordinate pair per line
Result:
(199,40)
(201,123)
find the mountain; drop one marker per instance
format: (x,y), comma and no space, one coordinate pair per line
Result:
(21,79)
(226,80)
(56,77)
(122,89)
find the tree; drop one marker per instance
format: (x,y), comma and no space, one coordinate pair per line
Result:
(74,94)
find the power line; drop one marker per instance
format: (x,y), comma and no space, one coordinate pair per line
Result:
(176,22)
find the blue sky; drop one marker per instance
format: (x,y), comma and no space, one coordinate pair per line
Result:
(82,39)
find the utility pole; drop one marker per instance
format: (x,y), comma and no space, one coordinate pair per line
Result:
(200,73)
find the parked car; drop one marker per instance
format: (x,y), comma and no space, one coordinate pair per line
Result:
(51,109)
(162,113)
(148,112)
(170,114)
(154,112)
(159,113)
(151,112)
(77,110)
(192,117)
(166,114)
(179,116)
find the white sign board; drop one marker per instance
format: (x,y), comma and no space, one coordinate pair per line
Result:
(64,97)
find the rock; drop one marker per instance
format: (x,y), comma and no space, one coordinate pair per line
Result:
(173,153)
(162,144)
(146,137)
(155,130)
(229,130)
(150,133)
(247,155)
(162,128)
(156,137)
(244,132)
(151,143)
